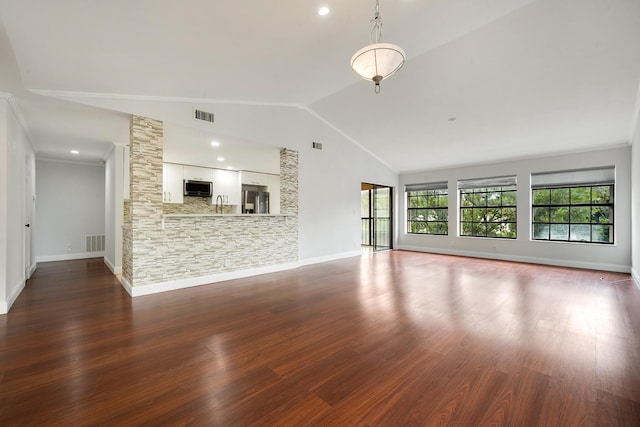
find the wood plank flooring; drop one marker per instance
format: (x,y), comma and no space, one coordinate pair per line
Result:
(389,339)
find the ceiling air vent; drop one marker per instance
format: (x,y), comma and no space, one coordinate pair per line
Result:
(202,115)
(317,146)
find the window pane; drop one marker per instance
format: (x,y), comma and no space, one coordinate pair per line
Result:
(541,197)
(580,233)
(509,198)
(417,215)
(479,214)
(466,229)
(494,230)
(602,233)
(480,230)
(540,214)
(417,227)
(467,214)
(601,215)
(442,214)
(509,214)
(559,196)
(494,214)
(559,214)
(602,194)
(479,199)
(509,231)
(541,231)
(466,199)
(494,198)
(580,214)
(580,195)
(559,232)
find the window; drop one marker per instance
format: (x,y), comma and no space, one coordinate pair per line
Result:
(488,207)
(428,208)
(573,206)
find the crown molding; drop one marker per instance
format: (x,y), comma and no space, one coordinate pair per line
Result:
(13,105)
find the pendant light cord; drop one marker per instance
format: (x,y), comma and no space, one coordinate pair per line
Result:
(376,31)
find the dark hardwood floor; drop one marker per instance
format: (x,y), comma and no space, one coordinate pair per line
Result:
(389,339)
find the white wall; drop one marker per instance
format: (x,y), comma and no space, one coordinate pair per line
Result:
(15,154)
(615,257)
(114,185)
(330,190)
(71,205)
(329,180)
(635,203)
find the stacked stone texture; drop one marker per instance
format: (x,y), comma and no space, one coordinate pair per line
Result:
(146,200)
(288,181)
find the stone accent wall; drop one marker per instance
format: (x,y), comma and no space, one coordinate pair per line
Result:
(126,218)
(127,256)
(146,200)
(289,182)
(201,246)
(194,205)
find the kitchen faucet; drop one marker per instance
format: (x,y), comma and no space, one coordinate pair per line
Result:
(219,198)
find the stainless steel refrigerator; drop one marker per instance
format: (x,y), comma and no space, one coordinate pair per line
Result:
(255,202)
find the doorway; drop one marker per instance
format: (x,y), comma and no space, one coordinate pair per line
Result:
(377,216)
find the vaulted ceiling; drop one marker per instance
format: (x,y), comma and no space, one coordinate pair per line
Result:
(484,80)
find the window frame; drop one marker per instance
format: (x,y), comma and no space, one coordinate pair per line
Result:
(439,224)
(484,188)
(572,207)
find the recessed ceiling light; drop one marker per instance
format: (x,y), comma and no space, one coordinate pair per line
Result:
(75,152)
(229,167)
(215,144)
(323,11)
(452,119)
(221,159)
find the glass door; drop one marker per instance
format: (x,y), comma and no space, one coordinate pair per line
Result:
(381,203)
(376,213)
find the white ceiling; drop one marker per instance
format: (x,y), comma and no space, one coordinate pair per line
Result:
(520,77)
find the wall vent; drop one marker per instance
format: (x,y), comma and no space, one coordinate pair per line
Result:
(202,115)
(317,146)
(94,243)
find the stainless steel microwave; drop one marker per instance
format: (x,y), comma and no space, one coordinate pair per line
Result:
(198,188)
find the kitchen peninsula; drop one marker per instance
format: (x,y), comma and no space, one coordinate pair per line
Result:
(165,250)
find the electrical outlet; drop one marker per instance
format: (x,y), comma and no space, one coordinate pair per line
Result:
(69,247)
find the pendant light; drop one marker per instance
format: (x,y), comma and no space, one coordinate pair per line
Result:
(377,61)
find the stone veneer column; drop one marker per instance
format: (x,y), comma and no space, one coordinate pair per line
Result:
(145,237)
(288,182)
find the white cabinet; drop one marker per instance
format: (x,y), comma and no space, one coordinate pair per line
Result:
(273,187)
(254,178)
(226,185)
(172,191)
(197,173)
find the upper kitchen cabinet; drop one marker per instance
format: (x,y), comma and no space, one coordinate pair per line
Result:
(254,178)
(197,173)
(172,175)
(226,185)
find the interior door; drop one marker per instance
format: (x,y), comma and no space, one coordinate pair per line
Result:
(381,205)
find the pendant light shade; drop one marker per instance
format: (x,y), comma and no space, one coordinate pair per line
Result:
(377,61)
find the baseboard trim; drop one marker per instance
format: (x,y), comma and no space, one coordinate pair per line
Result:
(115,270)
(531,260)
(327,258)
(136,291)
(636,277)
(5,306)
(68,257)
(32,269)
